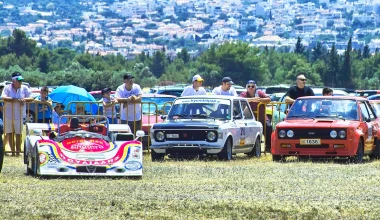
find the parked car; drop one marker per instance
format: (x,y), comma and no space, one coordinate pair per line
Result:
(375,106)
(366,93)
(328,126)
(175,90)
(374,97)
(83,149)
(207,125)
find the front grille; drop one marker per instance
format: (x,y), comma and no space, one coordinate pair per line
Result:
(91,169)
(312,146)
(188,135)
(311,133)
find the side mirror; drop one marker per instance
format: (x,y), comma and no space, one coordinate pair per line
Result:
(163,117)
(140,133)
(367,119)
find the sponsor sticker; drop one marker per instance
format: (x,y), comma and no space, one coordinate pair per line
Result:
(133,165)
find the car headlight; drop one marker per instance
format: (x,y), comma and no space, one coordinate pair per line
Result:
(342,134)
(333,134)
(282,133)
(211,136)
(160,136)
(290,133)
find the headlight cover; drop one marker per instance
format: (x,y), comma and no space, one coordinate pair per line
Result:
(333,134)
(160,136)
(342,134)
(281,133)
(290,133)
(211,136)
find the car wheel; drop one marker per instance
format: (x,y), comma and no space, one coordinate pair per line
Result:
(358,158)
(226,153)
(1,155)
(36,164)
(30,117)
(156,156)
(376,153)
(277,158)
(25,153)
(256,149)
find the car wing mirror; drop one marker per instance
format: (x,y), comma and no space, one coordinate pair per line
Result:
(367,119)
(163,117)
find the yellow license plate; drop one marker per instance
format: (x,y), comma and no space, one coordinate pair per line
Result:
(310,141)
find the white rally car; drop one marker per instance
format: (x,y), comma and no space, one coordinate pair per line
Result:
(207,125)
(92,149)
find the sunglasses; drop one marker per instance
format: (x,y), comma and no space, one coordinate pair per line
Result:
(303,80)
(250,86)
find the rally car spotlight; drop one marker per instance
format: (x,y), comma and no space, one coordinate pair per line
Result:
(342,134)
(290,133)
(333,134)
(160,136)
(211,136)
(282,134)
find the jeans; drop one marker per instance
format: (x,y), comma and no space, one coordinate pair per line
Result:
(131,125)
(112,120)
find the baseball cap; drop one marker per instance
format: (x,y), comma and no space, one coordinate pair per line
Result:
(106,90)
(197,78)
(128,76)
(228,80)
(17,76)
(251,82)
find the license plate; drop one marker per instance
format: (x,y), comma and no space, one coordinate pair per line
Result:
(172,135)
(310,141)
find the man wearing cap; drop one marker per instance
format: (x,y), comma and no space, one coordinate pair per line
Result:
(109,107)
(225,88)
(130,94)
(196,88)
(15,96)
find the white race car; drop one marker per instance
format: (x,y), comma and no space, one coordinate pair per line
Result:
(207,125)
(93,149)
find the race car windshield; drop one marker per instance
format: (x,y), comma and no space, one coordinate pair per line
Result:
(218,110)
(324,108)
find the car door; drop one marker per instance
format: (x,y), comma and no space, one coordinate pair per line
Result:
(368,127)
(239,131)
(251,126)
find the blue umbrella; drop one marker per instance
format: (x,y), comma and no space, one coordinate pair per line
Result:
(67,94)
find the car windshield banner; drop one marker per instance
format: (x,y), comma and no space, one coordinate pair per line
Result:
(206,101)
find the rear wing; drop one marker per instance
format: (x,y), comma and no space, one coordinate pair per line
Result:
(30,127)
(123,128)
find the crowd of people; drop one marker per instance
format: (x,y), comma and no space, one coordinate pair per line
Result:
(128,94)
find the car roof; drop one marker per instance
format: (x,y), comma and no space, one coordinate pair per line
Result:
(99,92)
(358,98)
(151,95)
(213,97)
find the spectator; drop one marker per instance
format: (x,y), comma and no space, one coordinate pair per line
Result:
(44,109)
(298,90)
(130,94)
(196,88)
(327,92)
(57,112)
(250,94)
(15,95)
(109,107)
(226,88)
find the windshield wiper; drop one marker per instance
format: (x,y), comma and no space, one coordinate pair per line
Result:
(200,116)
(299,116)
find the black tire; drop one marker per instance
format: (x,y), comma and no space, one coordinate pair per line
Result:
(256,149)
(156,156)
(376,153)
(226,153)
(25,154)
(268,135)
(277,158)
(358,158)
(30,117)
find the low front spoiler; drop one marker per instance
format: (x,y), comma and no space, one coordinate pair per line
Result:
(210,148)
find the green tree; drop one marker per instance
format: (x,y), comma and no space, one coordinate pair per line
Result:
(345,79)
(300,49)
(158,63)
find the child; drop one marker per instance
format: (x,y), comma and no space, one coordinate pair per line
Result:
(44,108)
(58,111)
(109,108)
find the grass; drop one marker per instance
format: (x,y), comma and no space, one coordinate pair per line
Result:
(241,189)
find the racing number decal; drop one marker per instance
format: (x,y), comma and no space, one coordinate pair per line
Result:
(242,136)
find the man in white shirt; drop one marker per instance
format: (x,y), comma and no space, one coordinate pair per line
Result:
(130,95)
(226,88)
(196,88)
(15,96)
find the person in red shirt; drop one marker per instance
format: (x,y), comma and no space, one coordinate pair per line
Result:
(250,94)
(254,101)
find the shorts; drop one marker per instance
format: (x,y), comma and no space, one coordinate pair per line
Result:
(11,126)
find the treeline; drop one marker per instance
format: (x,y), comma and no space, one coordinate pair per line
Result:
(322,67)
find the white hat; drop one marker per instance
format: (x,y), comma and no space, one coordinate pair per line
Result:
(197,78)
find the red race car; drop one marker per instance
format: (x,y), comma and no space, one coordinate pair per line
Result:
(328,126)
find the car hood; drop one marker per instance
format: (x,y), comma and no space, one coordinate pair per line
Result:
(317,123)
(190,124)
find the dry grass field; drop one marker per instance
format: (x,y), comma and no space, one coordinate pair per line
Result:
(245,188)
